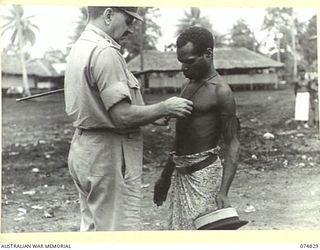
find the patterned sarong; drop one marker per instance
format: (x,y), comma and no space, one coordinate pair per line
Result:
(193,194)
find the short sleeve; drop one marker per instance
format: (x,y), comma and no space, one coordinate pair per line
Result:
(109,72)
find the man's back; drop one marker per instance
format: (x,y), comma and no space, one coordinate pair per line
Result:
(76,82)
(93,64)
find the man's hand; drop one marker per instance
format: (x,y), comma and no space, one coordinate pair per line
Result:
(162,122)
(161,190)
(178,107)
(222,201)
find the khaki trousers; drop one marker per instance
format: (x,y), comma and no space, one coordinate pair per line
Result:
(106,169)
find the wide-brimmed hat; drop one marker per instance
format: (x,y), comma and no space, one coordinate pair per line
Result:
(132,11)
(222,219)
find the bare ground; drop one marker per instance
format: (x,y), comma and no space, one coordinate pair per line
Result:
(276,187)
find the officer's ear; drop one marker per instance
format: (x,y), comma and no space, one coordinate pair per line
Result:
(208,53)
(107,15)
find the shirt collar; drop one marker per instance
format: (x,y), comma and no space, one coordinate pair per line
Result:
(103,34)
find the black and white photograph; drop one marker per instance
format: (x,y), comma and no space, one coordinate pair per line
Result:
(141,118)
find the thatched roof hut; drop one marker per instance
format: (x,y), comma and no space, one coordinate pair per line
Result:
(225,59)
(39,71)
(35,67)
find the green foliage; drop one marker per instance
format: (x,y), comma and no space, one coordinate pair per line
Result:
(145,34)
(242,36)
(15,20)
(54,55)
(22,34)
(277,22)
(283,28)
(193,18)
(308,42)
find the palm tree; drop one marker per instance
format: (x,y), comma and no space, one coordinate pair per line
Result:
(22,35)
(54,55)
(193,18)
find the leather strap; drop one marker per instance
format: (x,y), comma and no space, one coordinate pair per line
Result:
(121,132)
(198,166)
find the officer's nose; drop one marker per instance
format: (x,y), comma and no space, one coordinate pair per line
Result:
(127,32)
(184,67)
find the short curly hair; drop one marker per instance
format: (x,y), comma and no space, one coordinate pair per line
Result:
(200,37)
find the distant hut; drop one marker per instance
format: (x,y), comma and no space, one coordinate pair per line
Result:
(41,74)
(239,66)
(162,71)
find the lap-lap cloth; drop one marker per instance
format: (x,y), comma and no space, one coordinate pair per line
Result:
(194,193)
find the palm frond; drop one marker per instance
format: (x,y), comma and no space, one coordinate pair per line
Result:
(6,29)
(35,27)
(8,24)
(29,36)
(9,18)
(14,36)
(29,17)
(13,12)
(195,12)
(18,9)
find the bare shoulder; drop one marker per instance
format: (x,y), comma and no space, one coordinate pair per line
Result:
(223,91)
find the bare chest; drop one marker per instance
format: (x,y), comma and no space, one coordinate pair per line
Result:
(203,97)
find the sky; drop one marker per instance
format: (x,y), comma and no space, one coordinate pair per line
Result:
(56,23)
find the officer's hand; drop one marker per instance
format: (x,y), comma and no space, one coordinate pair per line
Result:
(161,190)
(178,107)
(222,201)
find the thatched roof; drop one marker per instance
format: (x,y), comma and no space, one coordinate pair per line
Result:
(36,67)
(225,58)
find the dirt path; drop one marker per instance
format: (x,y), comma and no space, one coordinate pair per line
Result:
(278,178)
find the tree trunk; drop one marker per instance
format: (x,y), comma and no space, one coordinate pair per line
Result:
(142,37)
(293,35)
(22,60)
(141,46)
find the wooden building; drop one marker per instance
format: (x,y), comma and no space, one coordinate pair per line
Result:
(41,74)
(239,67)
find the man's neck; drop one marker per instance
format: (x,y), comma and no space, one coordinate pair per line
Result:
(97,23)
(211,73)
(100,24)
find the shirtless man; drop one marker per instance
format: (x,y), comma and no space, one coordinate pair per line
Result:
(199,181)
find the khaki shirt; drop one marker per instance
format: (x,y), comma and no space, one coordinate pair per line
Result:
(97,78)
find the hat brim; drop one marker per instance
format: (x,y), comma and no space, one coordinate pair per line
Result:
(134,14)
(231,223)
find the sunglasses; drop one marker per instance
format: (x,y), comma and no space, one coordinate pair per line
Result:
(128,19)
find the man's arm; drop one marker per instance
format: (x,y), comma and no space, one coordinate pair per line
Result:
(162,185)
(230,130)
(126,115)
(108,73)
